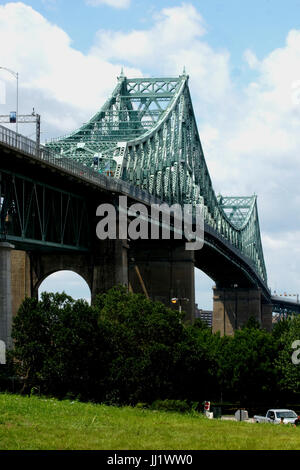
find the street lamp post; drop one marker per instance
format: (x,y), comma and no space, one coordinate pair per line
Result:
(16,75)
(235,308)
(174,300)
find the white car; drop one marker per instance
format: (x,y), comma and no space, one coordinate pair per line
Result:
(274,416)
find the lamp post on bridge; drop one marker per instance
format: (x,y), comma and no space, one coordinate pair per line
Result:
(16,75)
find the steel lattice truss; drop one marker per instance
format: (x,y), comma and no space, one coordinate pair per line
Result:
(35,214)
(146,133)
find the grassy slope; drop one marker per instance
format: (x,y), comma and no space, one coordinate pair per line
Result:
(38,423)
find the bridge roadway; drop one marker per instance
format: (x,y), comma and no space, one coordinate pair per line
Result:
(166,268)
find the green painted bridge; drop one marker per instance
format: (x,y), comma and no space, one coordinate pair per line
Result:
(143,144)
(146,134)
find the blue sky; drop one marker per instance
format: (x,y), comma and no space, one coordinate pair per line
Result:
(243,59)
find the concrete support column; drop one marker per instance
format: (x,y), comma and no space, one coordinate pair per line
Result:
(110,266)
(5,293)
(20,279)
(233,307)
(121,262)
(163,271)
(183,279)
(266,314)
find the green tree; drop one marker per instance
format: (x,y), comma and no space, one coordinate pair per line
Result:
(288,365)
(281,327)
(197,366)
(57,345)
(247,365)
(143,338)
(123,349)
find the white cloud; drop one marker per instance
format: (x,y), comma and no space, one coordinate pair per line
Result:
(283,253)
(174,29)
(70,85)
(111,3)
(175,40)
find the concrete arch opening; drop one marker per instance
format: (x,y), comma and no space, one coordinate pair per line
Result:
(66,281)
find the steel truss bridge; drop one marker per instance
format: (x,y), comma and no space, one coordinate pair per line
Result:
(143,143)
(146,134)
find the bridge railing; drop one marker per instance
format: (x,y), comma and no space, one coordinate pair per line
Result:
(28,146)
(18,141)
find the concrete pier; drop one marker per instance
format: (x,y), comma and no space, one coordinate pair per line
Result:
(5,293)
(166,270)
(233,307)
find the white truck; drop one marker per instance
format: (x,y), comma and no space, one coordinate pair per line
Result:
(275,416)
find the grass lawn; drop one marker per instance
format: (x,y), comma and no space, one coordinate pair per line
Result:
(33,423)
